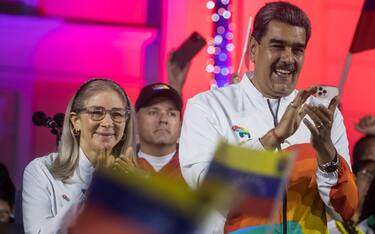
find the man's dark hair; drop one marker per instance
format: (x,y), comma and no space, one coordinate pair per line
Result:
(358,150)
(283,12)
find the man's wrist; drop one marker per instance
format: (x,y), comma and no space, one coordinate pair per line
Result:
(271,139)
(277,136)
(326,152)
(331,166)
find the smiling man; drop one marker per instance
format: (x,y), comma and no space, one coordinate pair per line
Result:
(274,115)
(159,124)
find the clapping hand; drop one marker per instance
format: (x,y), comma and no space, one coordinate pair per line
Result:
(105,159)
(126,164)
(322,118)
(289,122)
(294,114)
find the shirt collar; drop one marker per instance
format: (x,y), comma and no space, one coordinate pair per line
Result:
(85,169)
(157,162)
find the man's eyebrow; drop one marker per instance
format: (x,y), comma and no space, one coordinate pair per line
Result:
(279,41)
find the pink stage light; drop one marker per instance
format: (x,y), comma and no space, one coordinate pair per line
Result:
(115,11)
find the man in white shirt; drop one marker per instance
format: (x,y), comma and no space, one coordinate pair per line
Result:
(264,111)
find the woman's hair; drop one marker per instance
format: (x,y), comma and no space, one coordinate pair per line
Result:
(7,188)
(68,156)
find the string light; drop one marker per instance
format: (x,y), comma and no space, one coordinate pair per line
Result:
(226,14)
(225,2)
(210,5)
(220,45)
(220,30)
(230,47)
(210,49)
(210,68)
(215,17)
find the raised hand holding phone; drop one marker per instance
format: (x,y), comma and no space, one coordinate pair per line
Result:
(179,60)
(188,49)
(176,74)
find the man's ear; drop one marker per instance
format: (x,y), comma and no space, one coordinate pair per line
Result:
(253,47)
(75,120)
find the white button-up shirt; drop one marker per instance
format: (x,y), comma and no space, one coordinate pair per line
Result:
(49,204)
(216,114)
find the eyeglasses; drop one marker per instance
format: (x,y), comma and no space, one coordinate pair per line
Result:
(97,113)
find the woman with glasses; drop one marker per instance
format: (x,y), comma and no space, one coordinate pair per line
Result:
(98,128)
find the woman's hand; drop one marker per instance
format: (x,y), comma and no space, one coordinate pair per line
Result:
(105,159)
(125,164)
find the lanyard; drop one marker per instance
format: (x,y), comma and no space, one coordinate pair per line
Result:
(285,202)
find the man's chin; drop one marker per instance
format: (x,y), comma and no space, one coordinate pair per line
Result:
(163,142)
(282,90)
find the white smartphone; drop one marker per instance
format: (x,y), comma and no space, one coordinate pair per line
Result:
(325,93)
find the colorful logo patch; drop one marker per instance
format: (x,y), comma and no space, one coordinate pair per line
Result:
(242,132)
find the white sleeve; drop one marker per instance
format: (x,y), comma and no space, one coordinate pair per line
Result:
(213,224)
(37,204)
(327,180)
(339,137)
(198,141)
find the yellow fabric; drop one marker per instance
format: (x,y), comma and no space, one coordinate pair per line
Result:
(340,226)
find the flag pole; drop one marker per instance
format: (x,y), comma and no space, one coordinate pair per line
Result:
(345,71)
(246,41)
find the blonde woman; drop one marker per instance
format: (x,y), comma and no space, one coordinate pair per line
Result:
(98,128)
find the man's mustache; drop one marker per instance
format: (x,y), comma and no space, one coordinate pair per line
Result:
(284,66)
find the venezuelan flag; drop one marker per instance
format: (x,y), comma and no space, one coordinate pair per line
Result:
(364,36)
(136,204)
(254,179)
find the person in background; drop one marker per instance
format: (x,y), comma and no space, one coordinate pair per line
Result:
(159,119)
(158,110)
(98,129)
(7,195)
(366,125)
(176,74)
(363,220)
(274,115)
(364,169)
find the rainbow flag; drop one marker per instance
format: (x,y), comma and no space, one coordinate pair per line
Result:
(364,37)
(136,204)
(253,180)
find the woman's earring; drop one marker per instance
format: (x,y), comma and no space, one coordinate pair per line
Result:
(123,137)
(76,132)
